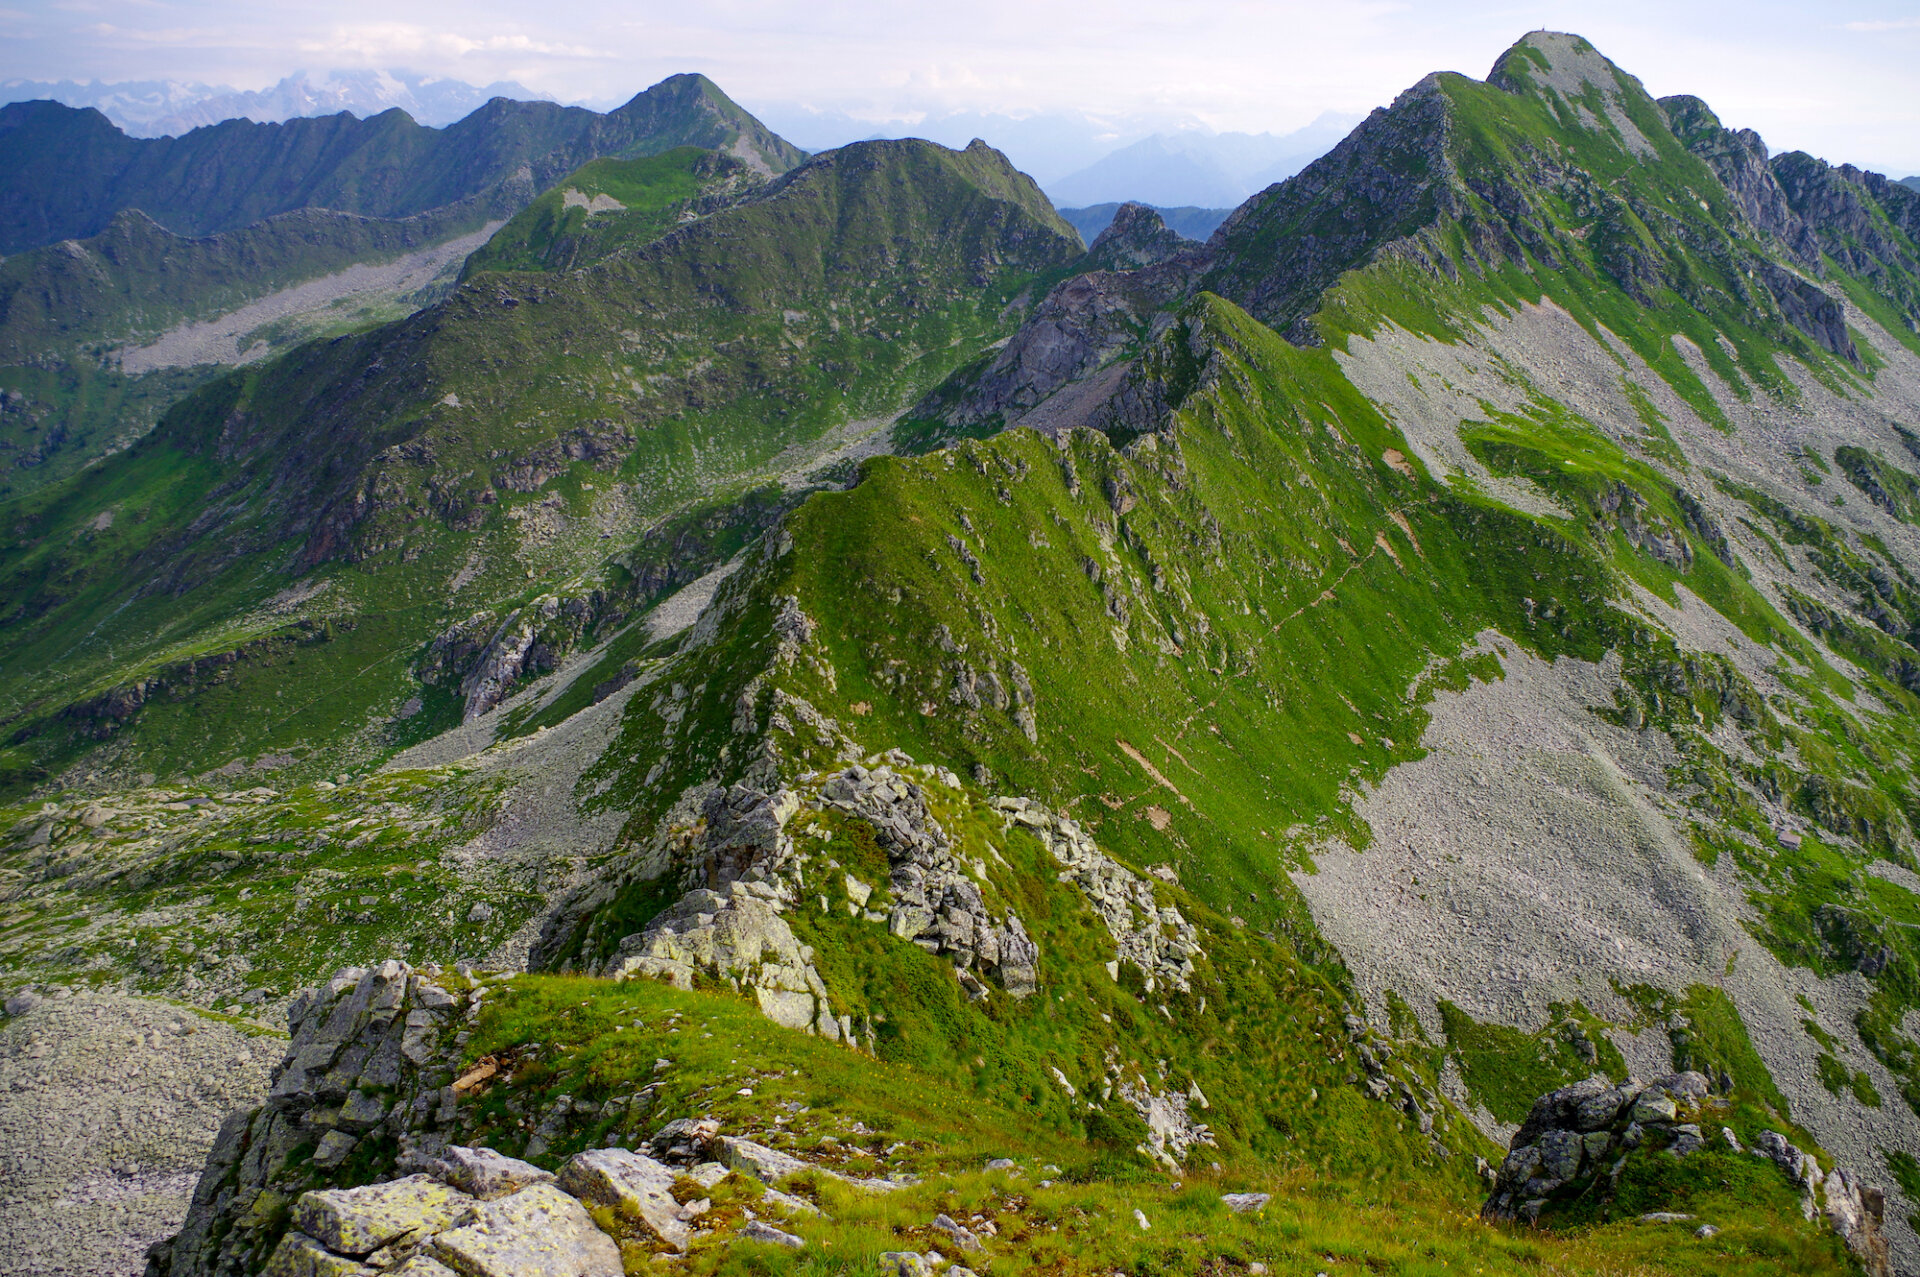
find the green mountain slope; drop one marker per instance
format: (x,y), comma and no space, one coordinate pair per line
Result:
(136,279)
(1455,634)
(609,205)
(516,427)
(72,171)
(75,315)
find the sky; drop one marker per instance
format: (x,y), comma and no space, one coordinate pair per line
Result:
(1839,78)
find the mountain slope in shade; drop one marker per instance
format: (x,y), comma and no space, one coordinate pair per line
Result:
(160,108)
(71,171)
(844,290)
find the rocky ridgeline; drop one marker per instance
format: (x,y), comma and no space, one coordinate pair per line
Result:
(748,871)
(1576,1141)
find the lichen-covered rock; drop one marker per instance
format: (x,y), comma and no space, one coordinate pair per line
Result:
(371,1059)
(485,1174)
(359,1221)
(298,1255)
(640,1186)
(768,1165)
(537,1232)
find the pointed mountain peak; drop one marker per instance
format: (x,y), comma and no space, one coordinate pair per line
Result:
(690,109)
(1576,78)
(1136,237)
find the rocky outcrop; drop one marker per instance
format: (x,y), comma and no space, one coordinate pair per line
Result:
(1576,1141)
(1627,510)
(729,927)
(936,902)
(1277,253)
(1582,1132)
(370,1069)
(735,935)
(1739,159)
(1077,334)
(367,1090)
(1808,307)
(1156,939)
(1136,237)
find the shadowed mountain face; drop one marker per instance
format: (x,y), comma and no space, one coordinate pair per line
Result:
(364,222)
(1302,703)
(70,172)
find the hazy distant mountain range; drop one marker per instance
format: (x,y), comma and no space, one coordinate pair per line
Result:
(1078,160)
(1168,161)
(158,108)
(1185,221)
(1211,170)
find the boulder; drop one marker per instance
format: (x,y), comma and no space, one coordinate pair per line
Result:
(1245,1203)
(537,1232)
(962,1235)
(904,1263)
(788,1203)
(641,1187)
(767,1165)
(758,1230)
(359,1221)
(348,1073)
(298,1255)
(487,1175)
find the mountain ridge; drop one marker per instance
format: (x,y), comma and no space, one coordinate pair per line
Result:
(386,166)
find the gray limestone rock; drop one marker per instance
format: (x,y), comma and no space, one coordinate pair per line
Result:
(758,1230)
(485,1174)
(346,1053)
(537,1232)
(641,1187)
